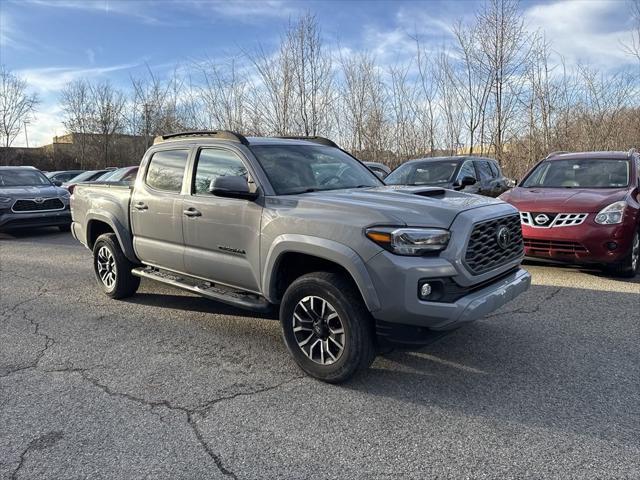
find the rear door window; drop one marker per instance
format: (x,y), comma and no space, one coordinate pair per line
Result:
(166,170)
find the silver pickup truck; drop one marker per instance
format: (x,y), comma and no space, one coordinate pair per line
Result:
(301,227)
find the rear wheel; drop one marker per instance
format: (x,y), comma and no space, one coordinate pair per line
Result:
(327,327)
(630,266)
(112,268)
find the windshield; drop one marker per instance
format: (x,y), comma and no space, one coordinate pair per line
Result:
(423,173)
(23,178)
(587,173)
(307,168)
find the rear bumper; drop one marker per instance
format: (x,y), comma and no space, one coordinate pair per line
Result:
(586,243)
(10,220)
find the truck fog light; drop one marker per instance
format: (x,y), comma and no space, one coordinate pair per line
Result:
(425,290)
(612,245)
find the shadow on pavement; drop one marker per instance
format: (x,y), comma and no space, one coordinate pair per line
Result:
(566,367)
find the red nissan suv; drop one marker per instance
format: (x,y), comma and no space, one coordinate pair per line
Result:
(582,208)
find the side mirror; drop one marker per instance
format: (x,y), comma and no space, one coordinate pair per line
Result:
(232,186)
(465,182)
(57,183)
(380,175)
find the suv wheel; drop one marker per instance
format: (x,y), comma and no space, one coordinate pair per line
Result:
(630,266)
(327,326)
(112,268)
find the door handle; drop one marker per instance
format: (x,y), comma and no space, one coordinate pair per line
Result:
(192,212)
(140,206)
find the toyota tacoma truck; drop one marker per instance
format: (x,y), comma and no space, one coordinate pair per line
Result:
(300,227)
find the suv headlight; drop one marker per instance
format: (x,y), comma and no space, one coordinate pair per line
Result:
(409,241)
(5,202)
(611,214)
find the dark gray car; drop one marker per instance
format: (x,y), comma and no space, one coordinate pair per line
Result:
(29,199)
(478,175)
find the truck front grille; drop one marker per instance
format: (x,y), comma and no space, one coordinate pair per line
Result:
(494,243)
(37,205)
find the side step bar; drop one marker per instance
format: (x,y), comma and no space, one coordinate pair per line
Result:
(236,298)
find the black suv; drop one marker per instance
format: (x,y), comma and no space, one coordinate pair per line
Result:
(470,174)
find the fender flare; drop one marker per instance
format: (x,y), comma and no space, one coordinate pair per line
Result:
(323,248)
(122,233)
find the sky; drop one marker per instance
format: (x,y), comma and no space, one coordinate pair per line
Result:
(52,42)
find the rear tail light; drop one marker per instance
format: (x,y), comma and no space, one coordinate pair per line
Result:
(71,188)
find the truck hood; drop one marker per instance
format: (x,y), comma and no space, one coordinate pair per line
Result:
(569,200)
(32,192)
(397,205)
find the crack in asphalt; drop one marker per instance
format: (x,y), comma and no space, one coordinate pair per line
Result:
(48,439)
(49,341)
(536,309)
(39,443)
(189,412)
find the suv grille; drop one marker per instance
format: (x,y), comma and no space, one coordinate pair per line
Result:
(33,206)
(484,252)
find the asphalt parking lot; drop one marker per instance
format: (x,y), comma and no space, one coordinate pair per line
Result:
(168,385)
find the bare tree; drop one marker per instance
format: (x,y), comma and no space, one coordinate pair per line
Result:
(312,75)
(77,107)
(632,47)
(504,43)
(108,118)
(272,102)
(17,105)
(473,81)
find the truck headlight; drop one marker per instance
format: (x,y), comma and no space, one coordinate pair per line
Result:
(611,214)
(409,241)
(4,200)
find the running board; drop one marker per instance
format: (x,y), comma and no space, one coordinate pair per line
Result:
(236,298)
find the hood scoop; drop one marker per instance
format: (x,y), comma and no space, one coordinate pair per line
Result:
(430,192)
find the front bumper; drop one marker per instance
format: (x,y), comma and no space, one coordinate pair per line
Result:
(585,243)
(396,281)
(10,220)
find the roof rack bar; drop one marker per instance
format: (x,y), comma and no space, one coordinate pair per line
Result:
(223,134)
(314,139)
(553,154)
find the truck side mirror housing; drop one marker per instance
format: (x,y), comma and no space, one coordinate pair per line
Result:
(232,186)
(465,182)
(57,183)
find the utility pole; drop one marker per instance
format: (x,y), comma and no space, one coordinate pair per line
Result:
(26,122)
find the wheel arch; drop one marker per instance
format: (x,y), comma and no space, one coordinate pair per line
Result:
(99,223)
(291,256)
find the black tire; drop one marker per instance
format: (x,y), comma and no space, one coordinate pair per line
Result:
(64,228)
(358,338)
(124,283)
(630,266)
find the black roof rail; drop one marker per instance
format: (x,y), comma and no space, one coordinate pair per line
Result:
(632,152)
(314,139)
(553,154)
(221,134)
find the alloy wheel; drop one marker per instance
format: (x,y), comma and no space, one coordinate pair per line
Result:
(318,330)
(107,267)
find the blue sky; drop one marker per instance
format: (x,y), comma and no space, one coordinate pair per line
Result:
(50,42)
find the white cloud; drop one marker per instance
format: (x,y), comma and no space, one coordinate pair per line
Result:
(52,79)
(577,30)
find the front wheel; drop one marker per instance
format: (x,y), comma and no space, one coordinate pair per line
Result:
(630,265)
(112,268)
(327,327)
